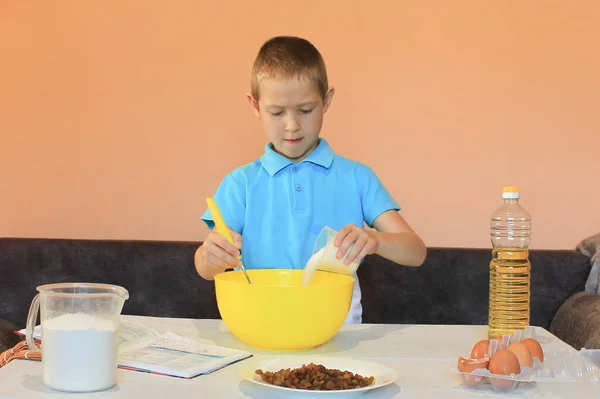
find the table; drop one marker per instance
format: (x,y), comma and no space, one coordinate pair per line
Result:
(422,355)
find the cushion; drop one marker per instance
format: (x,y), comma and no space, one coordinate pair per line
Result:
(577,321)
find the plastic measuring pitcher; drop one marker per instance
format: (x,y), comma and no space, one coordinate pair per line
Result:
(324,257)
(80,334)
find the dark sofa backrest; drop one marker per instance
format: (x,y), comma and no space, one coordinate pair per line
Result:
(450,288)
(160,276)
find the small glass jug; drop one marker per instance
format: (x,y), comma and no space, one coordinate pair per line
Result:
(324,254)
(80,334)
(324,257)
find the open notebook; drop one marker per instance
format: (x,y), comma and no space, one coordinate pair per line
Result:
(142,349)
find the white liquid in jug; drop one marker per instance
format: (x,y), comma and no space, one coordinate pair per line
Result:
(79,353)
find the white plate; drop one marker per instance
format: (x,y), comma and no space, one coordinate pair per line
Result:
(383,375)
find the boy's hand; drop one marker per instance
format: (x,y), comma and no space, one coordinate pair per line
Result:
(221,253)
(364,242)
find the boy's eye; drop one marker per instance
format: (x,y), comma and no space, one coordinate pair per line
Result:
(306,111)
(277,113)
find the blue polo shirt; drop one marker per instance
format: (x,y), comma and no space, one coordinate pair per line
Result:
(280,206)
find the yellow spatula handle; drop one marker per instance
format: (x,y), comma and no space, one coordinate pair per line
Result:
(218,219)
(223,229)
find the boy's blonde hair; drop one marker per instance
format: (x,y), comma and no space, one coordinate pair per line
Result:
(289,56)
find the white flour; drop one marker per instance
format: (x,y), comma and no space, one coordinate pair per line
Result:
(79,353)
(311,266)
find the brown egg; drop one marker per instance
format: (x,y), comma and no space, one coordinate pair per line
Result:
(467,366)
(504,362)
(480,349)
(534,348)
(522,353)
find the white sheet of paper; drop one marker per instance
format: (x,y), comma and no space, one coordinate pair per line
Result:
(179,343)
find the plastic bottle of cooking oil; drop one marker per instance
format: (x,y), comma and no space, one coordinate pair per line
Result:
(510,269)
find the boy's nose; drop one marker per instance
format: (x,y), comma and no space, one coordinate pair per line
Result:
(292,125)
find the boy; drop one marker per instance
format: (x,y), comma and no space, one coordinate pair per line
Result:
(278,204)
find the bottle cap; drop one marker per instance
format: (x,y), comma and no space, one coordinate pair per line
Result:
(511,192)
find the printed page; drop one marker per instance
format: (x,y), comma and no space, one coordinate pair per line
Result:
(166,358)
(179,356)
(179,343)
(134,335)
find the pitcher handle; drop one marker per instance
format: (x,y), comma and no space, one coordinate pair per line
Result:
(31,320)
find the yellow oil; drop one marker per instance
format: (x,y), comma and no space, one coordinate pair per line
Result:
(509,291)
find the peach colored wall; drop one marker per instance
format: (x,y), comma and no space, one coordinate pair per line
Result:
(112,113)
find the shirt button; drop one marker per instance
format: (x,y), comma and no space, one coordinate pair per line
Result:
(298,188)
(295,168)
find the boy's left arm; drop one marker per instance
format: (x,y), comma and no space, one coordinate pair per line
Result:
(392,239)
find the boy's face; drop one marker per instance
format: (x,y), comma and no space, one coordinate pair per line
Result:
(291,111)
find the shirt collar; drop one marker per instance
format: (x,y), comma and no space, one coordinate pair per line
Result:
(274,162)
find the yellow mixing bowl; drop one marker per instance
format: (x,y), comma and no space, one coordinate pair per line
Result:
(277,312)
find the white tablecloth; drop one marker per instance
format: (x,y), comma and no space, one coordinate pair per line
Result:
(423,355)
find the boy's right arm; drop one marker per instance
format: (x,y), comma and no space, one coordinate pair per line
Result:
(217,254)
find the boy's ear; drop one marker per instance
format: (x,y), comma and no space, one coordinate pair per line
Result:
(254,105)
(327,99)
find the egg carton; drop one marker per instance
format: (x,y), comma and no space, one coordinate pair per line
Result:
(503,383)
(498,382)
(570,374)
(563,373)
